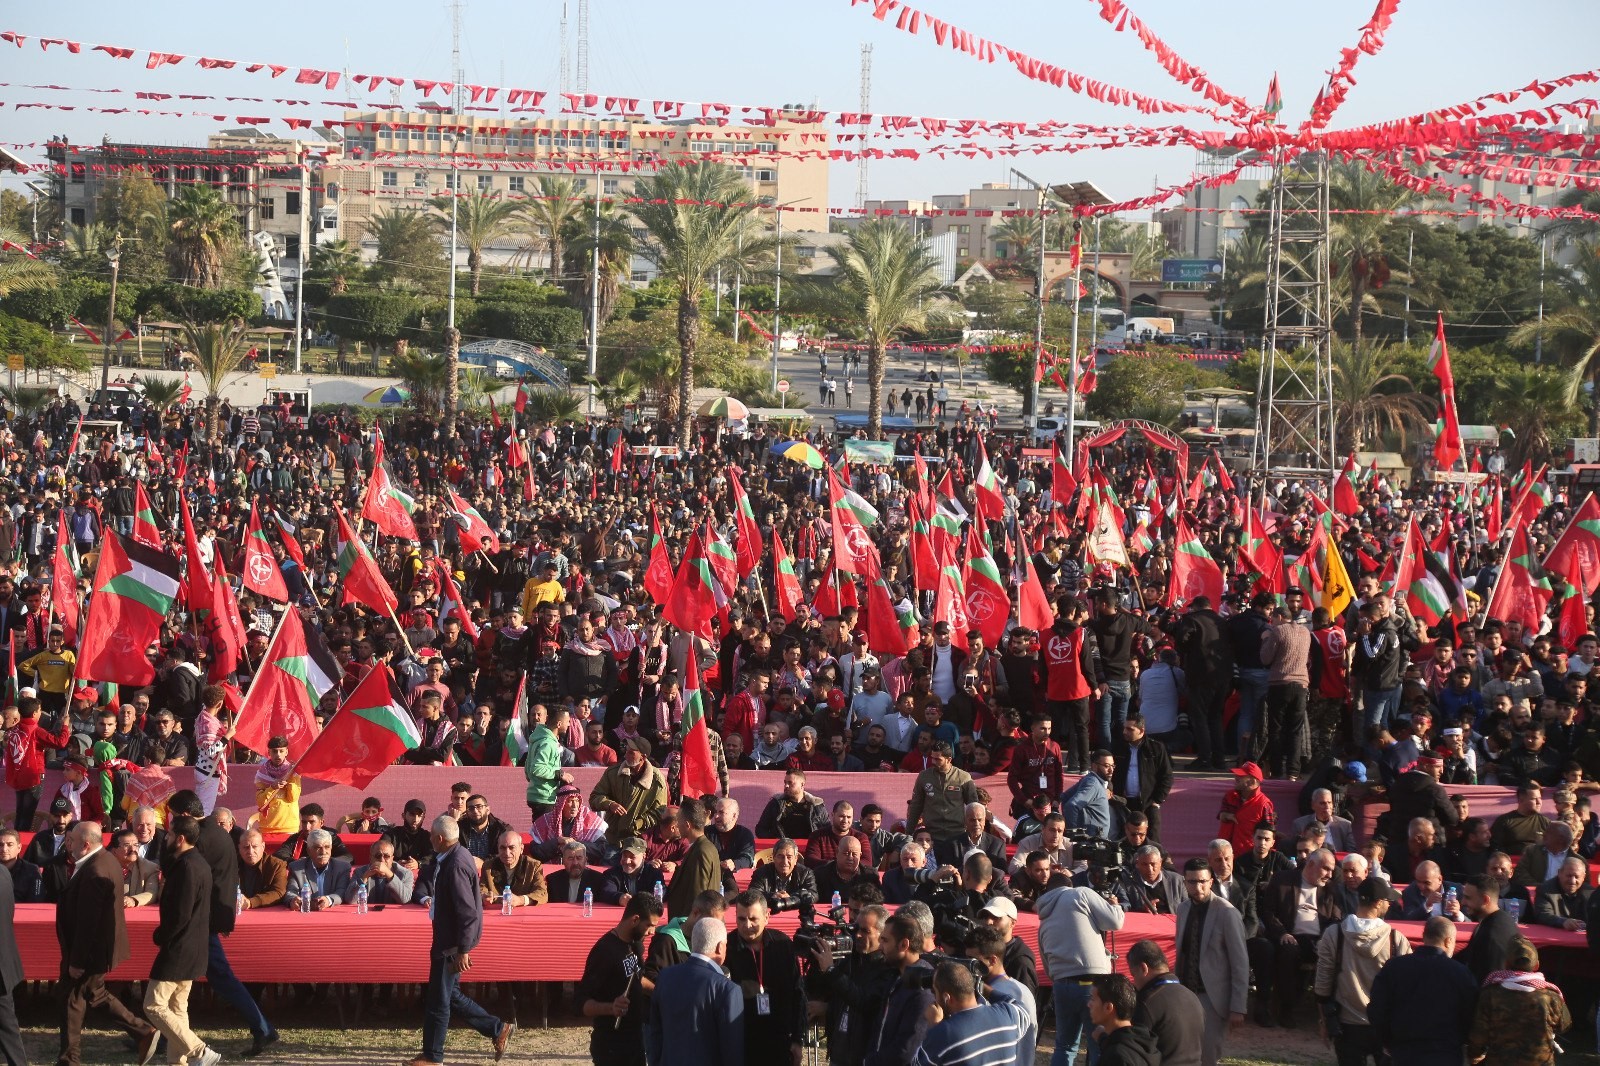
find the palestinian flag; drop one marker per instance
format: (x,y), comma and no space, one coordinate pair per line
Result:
(295,674)
(1033,607)
(991,500)
(146,527)
(1274,102)
(261,574)
(1415,578)
(360,580)
(699,775)
(134,588)
(787,592)
(1062,483)
(1140,541)
(515,749)
(1442,564)
(1523,591)
(724,563)
(450,599)
(386,507)
(924,567)
(64,581)
(476,536)
(1575,556)
(1447,448)
(692,601)
(988,607)
(853,550)
(944,528)
(658,575)
(1194,572)
(365,736)
(748,544)
(882,622)
(286,535)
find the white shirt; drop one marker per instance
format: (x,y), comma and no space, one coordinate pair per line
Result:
(1133,771)
(1305,911)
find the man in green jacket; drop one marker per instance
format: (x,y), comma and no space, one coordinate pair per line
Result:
(701,869)
(543,765)
(630,793)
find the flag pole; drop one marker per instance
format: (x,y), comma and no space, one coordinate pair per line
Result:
(401,630)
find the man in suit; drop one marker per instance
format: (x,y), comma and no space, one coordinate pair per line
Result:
(457,927)
(386,880)
(218,849)
(696,1010)
(1227,884)
(182,948)
(1563,901)
(327,876)
(1212,960)
(10,975)
(93,936)
(1143,775)
(1150,889)
(700,870)
(1341,834)
(145,823)
(1295,908)
(263,878)
(566,885)
(297,846)
(141,878)
(1542,861)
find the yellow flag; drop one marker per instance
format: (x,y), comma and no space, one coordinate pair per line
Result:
(1336,587)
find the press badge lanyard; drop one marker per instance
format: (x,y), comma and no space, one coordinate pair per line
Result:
(763,1001)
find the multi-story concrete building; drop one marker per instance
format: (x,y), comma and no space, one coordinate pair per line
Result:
(973,216)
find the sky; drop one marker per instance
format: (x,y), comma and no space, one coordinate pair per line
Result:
(1438,52)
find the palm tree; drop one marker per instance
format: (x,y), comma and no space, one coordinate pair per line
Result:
(19,271)
(25,403)
(553,405)
(482,218)
(1569,231)
(408,247)
(1019,234)
(1572,326)
(204,231)
(477,386)
(1531,400)
(548,215)
(1371,397)
(696,216)
(887,281)
(219,348)
(426,376)
(336,262)
(162,393)
(1368,202)
(617,248)
(1147,246)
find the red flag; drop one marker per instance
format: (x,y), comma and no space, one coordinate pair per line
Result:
(699,776)
(494,416)
(787,591)
(296,672)
(747,547)
(616,456)
(369,731)
(988,607)
(1494,514)
(879,619)
(261,574)
(1522,592)
(692,601)
(134,588)
(291,547)
(1575,556)
(658,576)
(1344,489)
(145,528)
(1573,621)
(1033,608)
(384,505)
(1259,555)
(1062,483)
(360,580)
(521,400)
(64,582)
(220,622)
(1194,572)
(950,602)
(450,599)
(924,561)
(94,338)
(990,501)
(853,550)
(474,530)
(1447,448)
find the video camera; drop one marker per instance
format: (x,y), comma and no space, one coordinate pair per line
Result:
(836,938)
(948,902)
(1106,872)
(919,979)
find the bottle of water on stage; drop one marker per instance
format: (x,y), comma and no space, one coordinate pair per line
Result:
(588,903)
(238,901)
(361,899)
(836,902)
(661,893)
(505,901)
(305,897)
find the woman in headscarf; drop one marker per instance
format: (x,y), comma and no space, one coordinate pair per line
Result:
(1519,1013)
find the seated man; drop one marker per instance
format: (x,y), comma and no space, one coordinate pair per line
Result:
(1032,822)
(412,845)
(1340,834)
(1037,875)
(785,877)
(844,873)
(1151,889)
(1425,897)
(902,880)
(1563,901)
(141,878)
(386,881)
(793,813)
(1050,839)
(25,876)
(570,820)
(326,876)
(953,852)
(311,819)
(566,885)
(629,875)
(973,886)
(480,829)
(665,845)
(515,869)
(824,843)
(263,878)
(736,845)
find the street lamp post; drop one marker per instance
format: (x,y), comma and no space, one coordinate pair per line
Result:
(114,257)
(777,289)
(1032,411)
(594,297)
(1538,337)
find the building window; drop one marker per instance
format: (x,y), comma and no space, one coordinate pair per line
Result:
(806,251)
(291,246)
(516,182)
(452,181)
(419,180)
(77,215)
(485,182)
(391,179)
(700,146)
(291,203)
(766,175)
(610,186)
(766,146)
(267,209)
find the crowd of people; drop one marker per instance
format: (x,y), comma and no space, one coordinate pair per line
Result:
(1040,766)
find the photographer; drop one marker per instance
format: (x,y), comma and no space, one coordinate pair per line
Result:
(854,989)
(950,894)
(761,961)
(1072,927)
(989,947)
(905,1017)
(784,882)
(1019,964)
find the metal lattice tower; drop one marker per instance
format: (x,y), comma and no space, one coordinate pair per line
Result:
(583,47)
(564,79)
(458,98)
(866,107)
(1294,415)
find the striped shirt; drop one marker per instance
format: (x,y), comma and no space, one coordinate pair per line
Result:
(985,1035)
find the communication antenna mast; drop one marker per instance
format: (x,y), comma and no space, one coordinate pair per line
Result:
(866,107)
(565,78)
(457,98)
(583,47)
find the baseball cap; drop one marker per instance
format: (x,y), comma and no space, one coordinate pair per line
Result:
(416,806)
(1373,889)
(59,805)
(1356,771)
(86,692)
(1249,769)
(633,844)
(640,745)
(1000,907)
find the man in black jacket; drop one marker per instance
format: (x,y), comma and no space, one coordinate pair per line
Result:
(1208,670)
(1115,630)
(855,989)
(1150,773)
(1486,951)
(1166,1008)
(1381,643)
(1422,1003)
(904,1021)
(10,976)
(761,960)
(181,950)
(1418,794)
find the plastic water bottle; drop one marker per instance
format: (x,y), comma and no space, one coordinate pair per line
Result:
(1449,901)
(661,892)
(361,898)
(588,903)
(305,897)
(238,901)
(505,901)
(836,902)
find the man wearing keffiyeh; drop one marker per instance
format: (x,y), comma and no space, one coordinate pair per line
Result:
(1519,1013)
